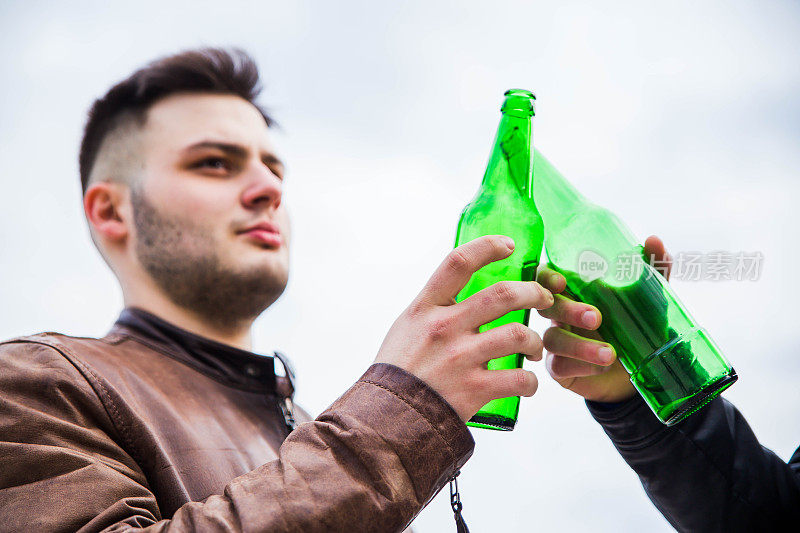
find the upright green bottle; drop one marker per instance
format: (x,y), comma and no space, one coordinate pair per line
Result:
(504,206)
(673,362)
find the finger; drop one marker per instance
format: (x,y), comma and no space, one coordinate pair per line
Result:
(455,271)
(585,333)
(551,280)
(656,254)
(568,344)
(500,299)
(506,340)
(507,383)
(561,367)
(567,311)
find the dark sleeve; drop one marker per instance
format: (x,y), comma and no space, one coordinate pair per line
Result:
(707,473)
(370,462)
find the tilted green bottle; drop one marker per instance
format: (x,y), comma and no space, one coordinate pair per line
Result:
(673,362)
(504,206)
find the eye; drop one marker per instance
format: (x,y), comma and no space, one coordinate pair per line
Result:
(276,171)
(216,163)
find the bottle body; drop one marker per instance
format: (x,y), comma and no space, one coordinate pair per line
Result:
(504,206)
(521,266)
(673,362)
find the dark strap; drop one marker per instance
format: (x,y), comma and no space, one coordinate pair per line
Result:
(455,503)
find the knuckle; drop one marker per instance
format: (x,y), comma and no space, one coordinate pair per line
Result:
(438,329)
(525,382)
(457,261)
(504,292)
(500,244)
(452,355)
(518,333)
(486,300)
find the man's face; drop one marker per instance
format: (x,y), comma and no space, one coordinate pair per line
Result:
(210,177)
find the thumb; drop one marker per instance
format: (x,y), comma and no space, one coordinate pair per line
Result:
(657,255)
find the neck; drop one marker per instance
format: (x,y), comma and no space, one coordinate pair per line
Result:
(511,156)
(556,198)
(153,301)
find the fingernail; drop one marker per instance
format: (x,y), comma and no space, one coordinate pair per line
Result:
(589,319)
(509,243)
(605,354)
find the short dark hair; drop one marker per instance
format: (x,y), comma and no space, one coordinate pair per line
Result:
(205,70)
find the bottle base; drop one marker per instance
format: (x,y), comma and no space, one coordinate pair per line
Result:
(701,399)
(682,376)
(487,421)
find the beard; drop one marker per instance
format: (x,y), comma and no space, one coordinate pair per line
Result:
(183,260)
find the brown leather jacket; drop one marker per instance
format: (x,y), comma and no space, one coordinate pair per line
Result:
(130,431)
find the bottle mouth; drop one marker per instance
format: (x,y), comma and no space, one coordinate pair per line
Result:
(520,92)
(519,103)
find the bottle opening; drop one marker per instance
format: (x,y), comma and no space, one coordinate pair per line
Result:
(519,103)
(520,92)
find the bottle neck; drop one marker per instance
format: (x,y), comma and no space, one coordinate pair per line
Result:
(556,198)
(511,156)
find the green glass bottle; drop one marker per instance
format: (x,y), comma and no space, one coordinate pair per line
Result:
(504,206)
(673,363)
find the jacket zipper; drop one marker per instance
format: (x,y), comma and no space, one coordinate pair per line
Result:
(287,410)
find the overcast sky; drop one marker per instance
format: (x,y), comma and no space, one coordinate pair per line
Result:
(683,119)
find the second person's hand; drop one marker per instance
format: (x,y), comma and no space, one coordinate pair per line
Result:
(577,356)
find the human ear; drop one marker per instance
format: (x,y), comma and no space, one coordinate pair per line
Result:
(102,205)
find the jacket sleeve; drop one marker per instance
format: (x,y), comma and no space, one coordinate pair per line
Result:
(708,472)
(370,462)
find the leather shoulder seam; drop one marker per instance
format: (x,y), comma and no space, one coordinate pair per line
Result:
(92,379)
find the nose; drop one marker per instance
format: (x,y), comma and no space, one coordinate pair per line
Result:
(264,189)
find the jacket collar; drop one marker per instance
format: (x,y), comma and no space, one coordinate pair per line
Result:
(232,366)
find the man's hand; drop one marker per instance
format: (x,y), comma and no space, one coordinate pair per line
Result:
(437,339)
(577,357)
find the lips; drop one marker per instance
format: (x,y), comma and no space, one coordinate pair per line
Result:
(265,233)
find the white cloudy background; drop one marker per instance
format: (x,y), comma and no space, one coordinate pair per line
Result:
(682,117)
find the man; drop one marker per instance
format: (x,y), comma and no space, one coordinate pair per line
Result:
(170,422)
(707,473)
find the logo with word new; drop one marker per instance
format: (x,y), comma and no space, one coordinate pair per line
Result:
(591,266)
